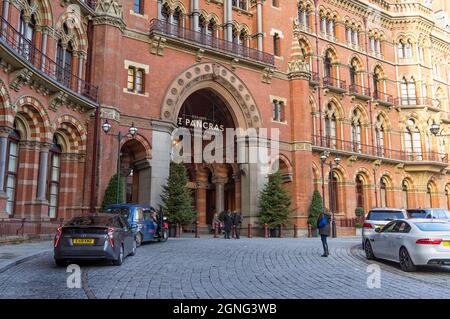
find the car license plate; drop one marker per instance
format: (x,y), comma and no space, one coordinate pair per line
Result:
(446,243)
(83,241)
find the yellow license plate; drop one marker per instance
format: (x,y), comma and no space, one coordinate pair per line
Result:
(82,241)
(446,243)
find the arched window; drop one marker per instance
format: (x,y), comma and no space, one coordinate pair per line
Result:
(404,49)
(359,188)
(356,132)
(408,91)
(12,169)
(54,176)
(380,136)
(353,79)
(383,192)
(429,198)
(327,67)
(165,14)
(405,194)
(412,142)
(330,128)
(27,30)
(303,16)
(64,57)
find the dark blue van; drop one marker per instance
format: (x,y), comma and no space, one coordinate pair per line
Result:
(139,215)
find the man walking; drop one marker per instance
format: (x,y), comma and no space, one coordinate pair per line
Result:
(237,221)
(323,224)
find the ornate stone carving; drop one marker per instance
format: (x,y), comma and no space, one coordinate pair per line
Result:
(20,78)
(109,12)
(57,100)
(234,64)
(199,55)
(267,75)
(157,45)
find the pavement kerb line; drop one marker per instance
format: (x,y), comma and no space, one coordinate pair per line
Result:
(22,260)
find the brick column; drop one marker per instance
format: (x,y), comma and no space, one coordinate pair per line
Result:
(4,133)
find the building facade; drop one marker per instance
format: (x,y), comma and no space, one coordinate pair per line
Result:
(366,82)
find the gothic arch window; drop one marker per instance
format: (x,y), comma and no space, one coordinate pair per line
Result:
(356,132)
(383,192)
(27,29)
(405,194)
(359,190)
(303,16)
(328,68)
(413,143)
(408,92)
(12,170)
(165,14)
(64,57)
(330,127)
(429,197)
(54,177)
(404,49)
(380,135)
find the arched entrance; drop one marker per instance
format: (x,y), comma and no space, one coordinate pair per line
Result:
(215,186)
(136,171)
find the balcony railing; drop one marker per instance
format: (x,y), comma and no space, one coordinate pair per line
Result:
(414,101)
(210,41)
(359,90)
(43,64)
(383,97)
(377,151)
(329,81)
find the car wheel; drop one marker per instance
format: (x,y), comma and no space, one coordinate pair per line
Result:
(138,239)
(119,260)
(406,262)
(60,262)
(368,250)
(133,251)
(164,235)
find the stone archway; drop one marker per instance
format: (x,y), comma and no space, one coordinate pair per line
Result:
(224,82)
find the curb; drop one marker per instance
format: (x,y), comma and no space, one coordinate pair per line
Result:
(22,260)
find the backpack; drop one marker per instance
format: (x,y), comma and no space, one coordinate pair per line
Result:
(323,221)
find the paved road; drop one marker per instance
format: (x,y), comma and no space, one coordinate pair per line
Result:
(218,268)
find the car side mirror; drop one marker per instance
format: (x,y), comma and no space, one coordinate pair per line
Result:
(378,230)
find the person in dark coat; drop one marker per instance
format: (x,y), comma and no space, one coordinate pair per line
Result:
(237,221)
(228,224)
(324,233)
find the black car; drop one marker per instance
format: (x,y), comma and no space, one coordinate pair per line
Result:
(94,237)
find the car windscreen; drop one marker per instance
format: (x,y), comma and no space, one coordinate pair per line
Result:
(385,215)
(419,213)
(433,226)
(125,212)
(93,220)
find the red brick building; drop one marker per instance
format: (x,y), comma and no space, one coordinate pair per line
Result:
(360,81)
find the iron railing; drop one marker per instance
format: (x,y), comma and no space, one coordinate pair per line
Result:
(412,101)
(378,151)
(329,81)
(210,41)
(359,89)
(383,97)
(43,64)
(22,227)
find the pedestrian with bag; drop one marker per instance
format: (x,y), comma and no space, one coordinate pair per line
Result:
(237,221)
(323,224)
(228,224)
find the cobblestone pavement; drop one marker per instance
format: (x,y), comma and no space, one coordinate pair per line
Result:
(218,268)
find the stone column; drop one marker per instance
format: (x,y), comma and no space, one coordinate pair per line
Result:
(220,182)
(160,162)
(229,21)
(195,15)
(43,172)
(259,22)
(159,8)
(202,182)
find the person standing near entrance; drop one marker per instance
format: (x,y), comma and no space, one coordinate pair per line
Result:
(323,224)
(237,221)
(228,224)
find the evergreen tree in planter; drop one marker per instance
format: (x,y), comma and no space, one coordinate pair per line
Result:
(275,203)
(315,209)
(111,192)
(359,212)
(177,198)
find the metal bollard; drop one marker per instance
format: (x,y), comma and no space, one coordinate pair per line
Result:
(295,231)
(309,231)
(177,233)
(196,230)
(216,230)
(281,231)
(249,231)
(266,233)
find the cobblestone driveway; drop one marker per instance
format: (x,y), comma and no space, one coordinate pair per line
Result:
(218,268)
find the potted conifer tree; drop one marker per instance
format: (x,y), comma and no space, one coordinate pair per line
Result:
(315,209)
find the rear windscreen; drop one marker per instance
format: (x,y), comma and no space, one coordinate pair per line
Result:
(419,214)
(125,212)
(385,215)
(91,221)
(433,226)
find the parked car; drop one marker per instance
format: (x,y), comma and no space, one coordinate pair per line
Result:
(434,213)
(413,242)
(139,216)
(378,218)
(92,237)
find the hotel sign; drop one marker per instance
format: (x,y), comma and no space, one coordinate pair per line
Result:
(199,122)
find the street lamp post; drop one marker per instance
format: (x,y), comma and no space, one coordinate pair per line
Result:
(106,127)
(337,160)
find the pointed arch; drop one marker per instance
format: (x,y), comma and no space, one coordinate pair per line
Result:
(40,126)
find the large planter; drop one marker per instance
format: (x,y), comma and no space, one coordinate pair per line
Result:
(358,231)
(314,232)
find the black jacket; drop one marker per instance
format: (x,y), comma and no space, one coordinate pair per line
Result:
(228,222)
(237,219)
(326,229)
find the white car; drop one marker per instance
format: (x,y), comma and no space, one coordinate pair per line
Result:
(412,242)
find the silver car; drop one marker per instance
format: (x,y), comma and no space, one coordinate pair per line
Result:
(378,218)
(434,213)
(412,242)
